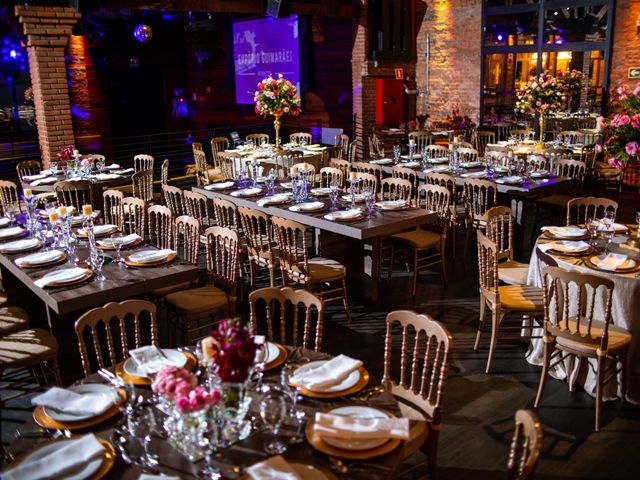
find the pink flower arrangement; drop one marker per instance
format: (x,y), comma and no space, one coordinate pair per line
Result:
(276,97)
(234,350)
(571,82)
(173,382)
(197,399)
(543,94)
(622,132)
(66,153)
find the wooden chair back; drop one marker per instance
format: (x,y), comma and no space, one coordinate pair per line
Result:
(408,174)
(488,268)
(225,213)
(421,139)
(436,198)
(143,185)
(112,207)
(292,249)
(28,167)
(543,259)
(218,144)
(73,193)
(285,160)
(366,167)
(423,361)
(436,151)
(331,176)
(396,189)
(199,207)
(174,199)
(196,146)
(538,162)
(479,195)
(504,131)
(133,216)
(483,138)
(258,138)
(301,138)
(161,224)
(526,445)
(342,165)
(570,300)
(570,137)
(342,142)
(574,169)
(142,162)
(500,157)
(187,238)
(113,324)
(375,146)
(353,151)
(581,208)
(223,250)
(587,122)
(467,155)
(500,226)
(230,165)
(287,310)
(9,194)
(202,169)
(588,155)
(164,172)
(444,180)
(522,134)
(257,230)
(368,181)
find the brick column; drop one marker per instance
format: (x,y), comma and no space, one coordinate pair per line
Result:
(47,30)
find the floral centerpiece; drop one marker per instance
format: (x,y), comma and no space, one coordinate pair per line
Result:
(542,95)
(277,98)
(622,132)
(67,153)
(571,83)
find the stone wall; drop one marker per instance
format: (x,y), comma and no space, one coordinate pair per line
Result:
(626,43)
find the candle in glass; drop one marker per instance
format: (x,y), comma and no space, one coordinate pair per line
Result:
(28,193)
(87,210)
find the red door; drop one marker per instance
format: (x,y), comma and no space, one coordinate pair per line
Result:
(389,101)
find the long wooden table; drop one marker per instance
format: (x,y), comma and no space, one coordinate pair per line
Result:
(62,306)
(344,241)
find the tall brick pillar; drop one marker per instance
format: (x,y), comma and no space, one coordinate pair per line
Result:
(47,30)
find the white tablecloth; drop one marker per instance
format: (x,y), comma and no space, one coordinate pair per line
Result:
(625,313)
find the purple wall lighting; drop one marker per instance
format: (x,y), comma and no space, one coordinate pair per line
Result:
(262,47)
(13,54)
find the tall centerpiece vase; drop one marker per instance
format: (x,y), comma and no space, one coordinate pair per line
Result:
(276,126)
(541,126)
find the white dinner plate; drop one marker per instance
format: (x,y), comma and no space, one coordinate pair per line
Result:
(19,246)
(93,388)
(470,164)
(392,204)
(569,246)
(247,192)
(307,207)
(628,264)
(220,186)
(308,472)
(356,411)
(4,221)
(382,161)
(41,258)
(439,160)
(11,232)
(176,357)
(321,191)
(344,215)
(83,472)
(348,382)
(409,164)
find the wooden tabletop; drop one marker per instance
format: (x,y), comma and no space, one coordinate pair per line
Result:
(380,224)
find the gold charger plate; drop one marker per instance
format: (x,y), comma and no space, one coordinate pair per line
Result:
(12,237)
(279,360)
(589,263)
(588,251)
(108,457)
(548,234)
(167,259)
(192,361)
(124,247)
(328,475)
(360,384)
(316,442)
(98,235)
(63,258)
(45,421)
(29,249)
(87,274)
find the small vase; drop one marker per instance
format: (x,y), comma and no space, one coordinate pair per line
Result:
(276,125)
(233,409)
(187,433)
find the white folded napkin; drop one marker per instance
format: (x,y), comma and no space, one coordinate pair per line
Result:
(612,261)
(274,199)
(61,276)
(306,207)
(470,164)
(98,229)
(149,359)
(565,231)
(39,257)
(220,186)
(126,170)
(10,232)
(106,176)
(474,175)
(617,227)
(113,165)
(342,426)
(441,168)
(150,256)
(4,221)
(44,181)
(59,463)
(20,245)
(410,164)
(31,178)
(381,161)
(246,192)
(74,403)
(126,240)
(391,204)
(273,468)
(360,197)
(513,180)
(330,373)
(569,246)
(350,214)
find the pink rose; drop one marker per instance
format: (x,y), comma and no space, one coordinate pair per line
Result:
(632,148)
(636,91)
(600,123)
(183,404)
(182,388)
(619,120)
(598,148)
(635,121)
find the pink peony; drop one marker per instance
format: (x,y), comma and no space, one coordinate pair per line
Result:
(632,148)
(620,119)
(635,121)
(598,148)
(615,163)
(600,123)
(183,404)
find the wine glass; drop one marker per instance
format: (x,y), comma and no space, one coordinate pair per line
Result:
(117,240)
(285,382)
(607,234)
(100,164)
(141,423)
(370,201)
(299,420)
(10,210)
(53,166)
(81,254)
(97,261)
(396,153)
(592,228)
(273,410)
(333,195)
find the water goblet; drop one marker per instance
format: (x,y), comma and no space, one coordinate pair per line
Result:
(299,420)
(286,373)
(592,228)
(271,183)
(100,165)
(97,261)
(81,254)
(396,153)
(10,210)
(607,234)
(333,196)
(53,166)
(141,423)
(117,241)
(370,201)
(273,410)
(611,216)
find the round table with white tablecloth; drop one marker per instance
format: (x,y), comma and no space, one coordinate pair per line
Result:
(625,313)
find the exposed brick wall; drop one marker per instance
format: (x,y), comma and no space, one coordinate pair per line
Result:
(47,30)
(455,30)
(626,43)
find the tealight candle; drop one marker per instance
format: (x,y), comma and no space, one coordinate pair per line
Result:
(87,210)
(28,193)
(305,166)
(412,142)
(53,216)
(207,348)
(62,210)
(76,153)
(254,161)
(353,176)
(294,170)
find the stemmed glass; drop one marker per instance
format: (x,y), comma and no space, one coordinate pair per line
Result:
(370,201)
(141,423)
(273,410)
(10,210)
(425,157)
(117,240)
(271,183)
(638,223)
(333,195)
(53,166)
(607,234)
(396,153)
(100,165)
(592,228)
(97,261)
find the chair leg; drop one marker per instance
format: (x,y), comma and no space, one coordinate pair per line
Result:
(599,386)
(415,272)
(251,274)
(623,379)
(483,307)
(393,251)
(454,227)
(443,264)
(345,300)
(549,346)
(495,323)
(433,454)
(272,276)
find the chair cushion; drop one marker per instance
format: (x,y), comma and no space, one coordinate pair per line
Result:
(13,319)
(197,300)
(418,238)
(325,270)
(26,348)
(619,338)
(521,298)
(161,292)
(513,273)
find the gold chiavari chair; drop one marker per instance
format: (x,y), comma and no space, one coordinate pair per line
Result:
(588,156)
(368,181)
(581,208)
(586,123)
(375,147)
(504,131)
(164,172)
(342,142)
(112,207)
(9,195)
(571,301)
(407,174)
(467,155)
(538,162)
(113,325)
(526,445)
(28,167)
(300,138)
(326,278)
(437,151)
(230,164)
(331,176)
(218,144)
(571,137)
(258,138)
(479,196)
(327,154)
(142,183)
(74,194)
(196,146)
(557,202)
(342,165)
(520,300)
(199,207)
(143,162)
(160,226)
(310,168)
(226,213)
(371,168)
(133,216)
(421,139)
(574,169)
(417,376)
(195,307)
(427,247)
(285,160)
(353,150)
(174,199)
(482,138)
(521,134)
(202,169)
(396,188)
(261,248)
(500,229)
(458,212)
(277,303)
(500,157)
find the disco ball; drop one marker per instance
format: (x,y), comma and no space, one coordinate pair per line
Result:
(143,33)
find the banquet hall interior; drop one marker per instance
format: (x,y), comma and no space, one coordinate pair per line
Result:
(319,239)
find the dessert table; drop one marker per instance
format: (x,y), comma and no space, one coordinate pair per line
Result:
(625,313)
(231,462)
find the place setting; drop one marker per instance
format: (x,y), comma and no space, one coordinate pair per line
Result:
(612,263)
(392,205)
(41,259)
(9,233)
(565,233)
(98,230)
(145,362)
(348,215)
(150,257)
(247,192)
(64,277)
(276,199)
(308,207)
(117,243)
(20,246)
(220,185)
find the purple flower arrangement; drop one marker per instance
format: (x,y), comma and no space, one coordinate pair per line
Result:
(234,351)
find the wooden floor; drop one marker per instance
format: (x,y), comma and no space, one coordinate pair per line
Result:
(479,408)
